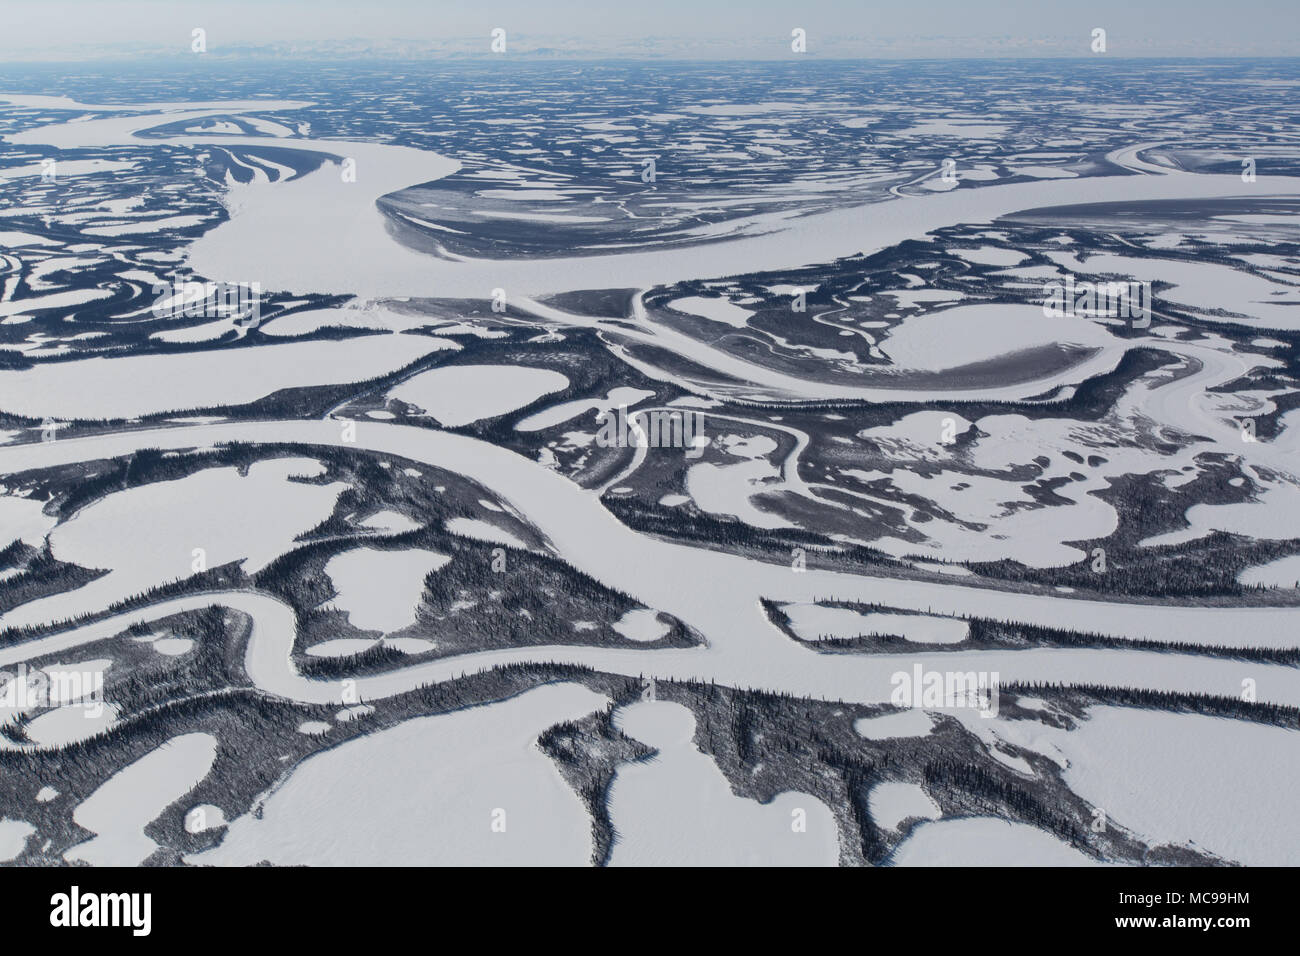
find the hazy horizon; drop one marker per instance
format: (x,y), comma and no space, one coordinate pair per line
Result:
(64,30)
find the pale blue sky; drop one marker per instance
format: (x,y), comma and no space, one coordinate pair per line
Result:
(58,29)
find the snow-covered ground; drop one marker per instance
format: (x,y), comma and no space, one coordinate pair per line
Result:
(816,622)
(119,810)
(984,841)
(470,786)
(1225,786)
(13,838)
(463,394)
(380,590)
(132,386)
(152,534)
(416,795)
(894,801)
(968,334)
(678,810)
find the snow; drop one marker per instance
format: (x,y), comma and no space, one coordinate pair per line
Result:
(717,591)
(341,647)
(641,624)
(968,334)
(727,489)
(1148,770)
(351,317)
(140,226)
(953,570)
(1272,514)
(984,841)
(1282,573)
(168,645)
(893,801)
(135,385)
(912,298)
(552,218)
(741,649)
(390,522)
(119,810)
(959,129)
(1044,172)
(481,530)
(205,816)
(717,309)
(207,332)
(10,238)
(992,518)
(13,837)
(23,519)
(69,167)
(424,793)
(355,712)
(566,411)
(380,590)
(55,300)
(992,256)
(904,723)
(305,216)
(815,622)
(71,723)
(1204,287)
(463,394)
(751,109)
(409,645)
(146,536)
(678,809)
